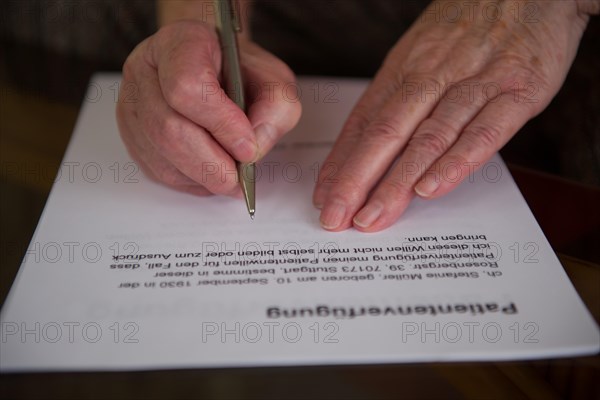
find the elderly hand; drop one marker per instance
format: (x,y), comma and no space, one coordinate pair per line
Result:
(181,127)
(453,90)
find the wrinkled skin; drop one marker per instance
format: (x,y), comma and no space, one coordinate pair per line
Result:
(448,96)
(176,120)
(453,90)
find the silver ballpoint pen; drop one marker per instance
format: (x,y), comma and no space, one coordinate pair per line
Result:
(228,24)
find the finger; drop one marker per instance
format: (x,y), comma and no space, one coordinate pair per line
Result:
(187,58)
(388,81)
(434,136)
(362,114)
(497,122)
(148,159)
(274,105)
(160,170)
(185,145)
(373,154)
(195,190)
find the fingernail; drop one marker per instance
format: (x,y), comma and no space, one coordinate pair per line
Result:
(333,215)
(244,150)
(265,136)
(427,186)
(319,197)
(320,194)
(368,215)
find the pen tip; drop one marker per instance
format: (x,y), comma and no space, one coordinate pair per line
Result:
(251,214)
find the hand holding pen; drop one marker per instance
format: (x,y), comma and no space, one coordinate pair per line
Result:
(181,127)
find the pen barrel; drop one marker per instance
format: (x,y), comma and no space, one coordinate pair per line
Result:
(231,78)
(231,68)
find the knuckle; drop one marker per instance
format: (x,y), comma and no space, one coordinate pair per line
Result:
(481,135)
(396,78)
(383,130)
(431,139)
(182,91)
(359,119)
(178,91)
(329,172)
(517,71)
(348,190)
(395,188)
(223,127)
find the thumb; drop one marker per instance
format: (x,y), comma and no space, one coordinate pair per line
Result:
(273,99)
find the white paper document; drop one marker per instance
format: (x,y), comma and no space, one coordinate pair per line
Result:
(124,273)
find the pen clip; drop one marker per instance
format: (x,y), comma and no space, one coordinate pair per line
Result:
(234,6)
